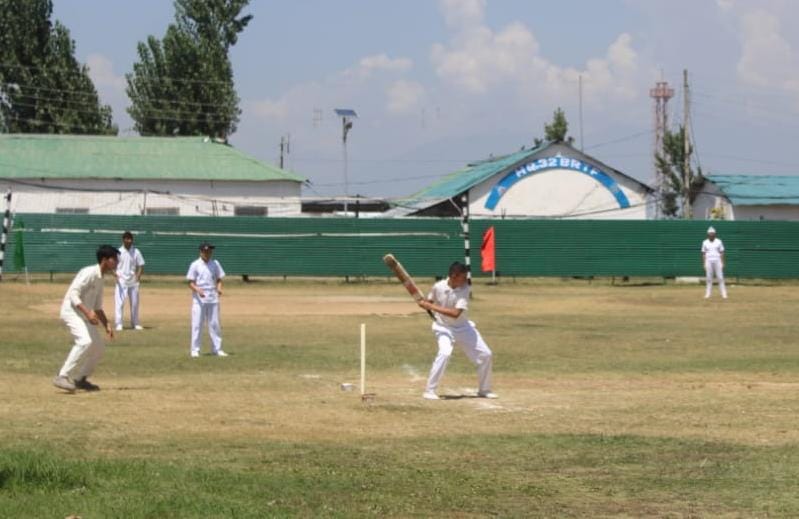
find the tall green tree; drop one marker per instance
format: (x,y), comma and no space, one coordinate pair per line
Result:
(675,170)
(183,84)
(43,88)
(557,130)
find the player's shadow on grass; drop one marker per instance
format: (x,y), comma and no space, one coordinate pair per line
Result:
(456,397)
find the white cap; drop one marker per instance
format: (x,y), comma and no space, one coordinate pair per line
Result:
(711,230)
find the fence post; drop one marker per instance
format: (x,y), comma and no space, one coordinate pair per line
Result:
(4,236)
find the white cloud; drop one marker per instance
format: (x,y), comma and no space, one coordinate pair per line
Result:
(383,62)
(370,65)
(477,59)
(111,88)
(766,58)
(404,96)
(268,109)
(768,55)
(463,12)
(101,70)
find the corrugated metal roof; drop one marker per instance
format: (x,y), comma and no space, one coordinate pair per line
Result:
(178,158)
(758,189)
(461,180)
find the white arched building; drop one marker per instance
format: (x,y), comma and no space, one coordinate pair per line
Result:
(553,180)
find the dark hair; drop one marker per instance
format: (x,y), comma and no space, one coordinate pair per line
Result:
(106,251)
(457,268)
(127,234)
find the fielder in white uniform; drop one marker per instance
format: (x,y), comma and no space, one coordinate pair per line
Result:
(129,271)
(713,261)
(205,280)
(449,299)
(82,310)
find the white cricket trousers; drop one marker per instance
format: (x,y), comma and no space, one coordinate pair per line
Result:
(714,267)
(472,343)
(132,294)
(88,348)
(200,314)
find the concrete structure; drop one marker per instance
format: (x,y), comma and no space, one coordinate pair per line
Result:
(553,180)
(183,176)
(748,197)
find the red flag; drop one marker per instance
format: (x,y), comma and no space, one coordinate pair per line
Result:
(487,255)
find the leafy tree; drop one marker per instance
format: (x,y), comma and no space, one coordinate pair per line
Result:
(43,88)
(556,130)
(183,84)
(672,168)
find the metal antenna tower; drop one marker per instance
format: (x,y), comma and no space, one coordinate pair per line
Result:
(661,94)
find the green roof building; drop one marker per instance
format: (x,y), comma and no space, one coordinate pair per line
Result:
(553,180)
(142,175)
(748,197)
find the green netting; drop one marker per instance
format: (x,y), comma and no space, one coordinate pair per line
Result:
(354,247)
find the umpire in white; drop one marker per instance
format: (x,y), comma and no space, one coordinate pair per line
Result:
(205,280)
(713,261)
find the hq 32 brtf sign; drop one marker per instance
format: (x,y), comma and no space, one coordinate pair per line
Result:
(549,163)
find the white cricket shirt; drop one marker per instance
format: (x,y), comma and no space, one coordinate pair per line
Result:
(129,262)
(444,295)
(86,288)
(205,275)
(712,249)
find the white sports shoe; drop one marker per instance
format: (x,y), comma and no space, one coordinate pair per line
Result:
(119,327)
(430,395)
(138,327)
(64,383)
(487,394)
(195,354)
(221,353)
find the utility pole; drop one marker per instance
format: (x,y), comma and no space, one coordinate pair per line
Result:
(580,94)
(346,114)
(284,148)
(686,207)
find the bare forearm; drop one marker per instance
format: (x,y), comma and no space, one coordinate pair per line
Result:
(102,317)
(443,310)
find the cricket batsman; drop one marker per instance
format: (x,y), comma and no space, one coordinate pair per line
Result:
(449,301)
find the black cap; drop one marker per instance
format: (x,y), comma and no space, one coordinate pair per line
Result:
(206,246)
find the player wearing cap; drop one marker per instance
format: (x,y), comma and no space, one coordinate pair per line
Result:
(449,300)
(205,280)
(713,261)
(129,271)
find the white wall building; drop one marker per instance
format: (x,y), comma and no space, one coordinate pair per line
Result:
(748,197)
(186,176)
(551,181)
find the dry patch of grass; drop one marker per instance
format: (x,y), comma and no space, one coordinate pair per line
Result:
(601,389)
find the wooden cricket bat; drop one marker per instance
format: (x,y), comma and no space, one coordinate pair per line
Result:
(404,278)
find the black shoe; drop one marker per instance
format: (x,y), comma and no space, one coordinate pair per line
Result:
(86,385)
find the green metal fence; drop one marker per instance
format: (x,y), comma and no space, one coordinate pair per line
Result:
(354,247)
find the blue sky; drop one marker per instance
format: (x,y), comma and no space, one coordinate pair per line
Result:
(440,83)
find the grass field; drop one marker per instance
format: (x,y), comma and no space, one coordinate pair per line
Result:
(615,401)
